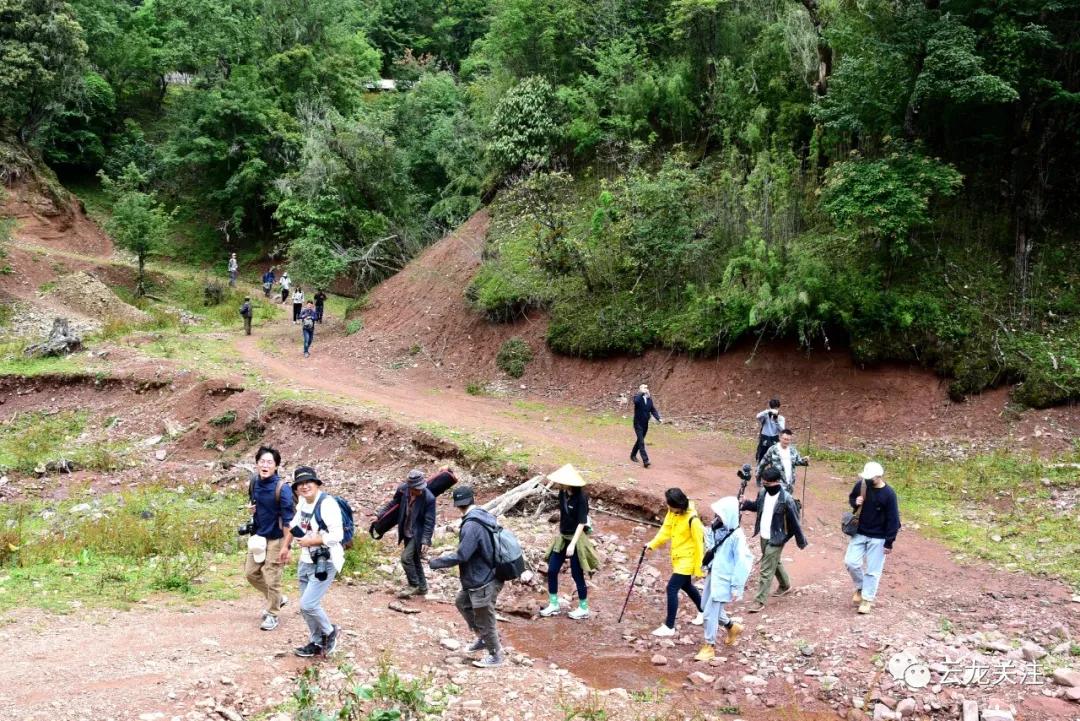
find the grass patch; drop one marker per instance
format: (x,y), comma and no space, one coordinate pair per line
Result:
(354,326)
(14,363)
(514,354)
(32,439)
(478,450)
(224,419)
(386,697)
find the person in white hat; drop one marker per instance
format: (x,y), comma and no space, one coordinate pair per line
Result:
(729,561)
(572,540)
(879,522)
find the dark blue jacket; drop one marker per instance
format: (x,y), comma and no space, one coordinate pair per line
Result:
(880,517)
(423,520)
(270,515)
(475,552)
(643,408)
(268,277)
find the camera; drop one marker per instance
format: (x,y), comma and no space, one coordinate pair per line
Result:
(744,472)
(247,529)
(321,558)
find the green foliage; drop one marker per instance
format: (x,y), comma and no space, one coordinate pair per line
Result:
(524,128)
(354,326)
(33,439)
(388,698)
(139,223)
(514,354)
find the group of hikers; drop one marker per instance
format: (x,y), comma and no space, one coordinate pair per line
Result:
(718,551)
(306,312)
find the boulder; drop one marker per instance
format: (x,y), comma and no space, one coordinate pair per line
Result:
(1067,677)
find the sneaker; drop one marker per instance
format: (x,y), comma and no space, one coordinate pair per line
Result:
(312,649)
(283,602)
(664,631)
(646,464)
(866,606)
(550,610)
(408,592)
(699,619)
(756,608)
(269,622)
(707,653)
(782,591)
(330,640)
(633,459)
(857,598)
(477,645)
(490,661)
(579,614)
(733,632)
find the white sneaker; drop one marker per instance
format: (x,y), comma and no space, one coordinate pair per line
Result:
(663,631)
(579,613)
(550,610)
(699,619)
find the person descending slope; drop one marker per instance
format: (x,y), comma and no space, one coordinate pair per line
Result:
(728,560)
(572,540)
(684,529)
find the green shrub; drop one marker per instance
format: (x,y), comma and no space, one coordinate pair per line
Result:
(513,356)
(354,326)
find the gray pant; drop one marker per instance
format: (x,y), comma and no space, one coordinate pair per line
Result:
(477,607)
(413,564)
(312,591)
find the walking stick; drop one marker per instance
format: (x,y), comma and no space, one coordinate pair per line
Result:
(806,468)
(632,581)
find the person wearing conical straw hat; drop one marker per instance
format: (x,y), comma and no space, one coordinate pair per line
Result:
(572,539)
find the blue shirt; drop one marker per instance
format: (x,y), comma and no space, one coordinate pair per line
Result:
(270,515)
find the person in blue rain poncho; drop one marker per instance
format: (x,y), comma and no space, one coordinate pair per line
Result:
(728,561)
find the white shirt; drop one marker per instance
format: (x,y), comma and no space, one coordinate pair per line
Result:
(785,461)
(331,518)
(298,296)
(285,282)
(767,509)
(232,264)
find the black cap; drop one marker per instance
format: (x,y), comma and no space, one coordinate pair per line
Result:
(303,474)
(463,496)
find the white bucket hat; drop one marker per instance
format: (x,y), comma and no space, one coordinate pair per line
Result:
(872,469)
(257,546)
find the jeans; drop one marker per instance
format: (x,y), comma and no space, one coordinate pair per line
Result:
(266,289)
(318,313)
(872,551)
(309,336)
(266,576)
(477,607)
(763,444)
(640,431)
(555,562)
(312,591)
(679,582)
(771,565)
(232,278)
(715,616)
(413,564)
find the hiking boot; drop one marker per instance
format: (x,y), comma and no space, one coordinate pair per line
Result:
(866,606)
(477,645)
(579,614)
(663,631)
(757,607)
(490,661)
(633,459)
(707,653)
(269,622)
(283,602)
(733,632)
(330,640)
(699,619)
(552,609)
(408,592)
(782,591)
(646,464)
(312,649)
(857,598)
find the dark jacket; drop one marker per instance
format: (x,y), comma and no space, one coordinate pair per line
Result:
(271,515)
(320,300)
(573,510)
(785,522)
(475,552)
(880,517)
(423,519)
(268,277)
(643,408)
(245,309)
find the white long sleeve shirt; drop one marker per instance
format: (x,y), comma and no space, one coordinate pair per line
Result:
(331,518)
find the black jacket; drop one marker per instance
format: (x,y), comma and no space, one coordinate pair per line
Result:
(785,522)
(423,521)
(643,408)
(880,517)
(475,552)
(245,309)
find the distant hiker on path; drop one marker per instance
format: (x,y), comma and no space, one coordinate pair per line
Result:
(480,589)
(285,285)
(416,526)
(728,560)
(319,528)
(297,303)
(245,313)
(771,423)
(784,457)
(272,508)
(777,521)
(234,270)
(684,529)
(879,522)
(571,540)
(307,327)
(268,282)
(320,301)
(643,408)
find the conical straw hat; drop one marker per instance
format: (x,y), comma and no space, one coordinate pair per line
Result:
(566,476)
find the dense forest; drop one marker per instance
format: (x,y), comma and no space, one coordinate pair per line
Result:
(897,177)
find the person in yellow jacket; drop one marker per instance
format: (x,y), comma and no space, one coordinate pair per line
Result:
(684,529)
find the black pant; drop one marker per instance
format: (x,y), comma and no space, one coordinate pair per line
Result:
(640,431)
(296,311)
(679,582)
(247,324)
(318,313)
(413,563)
(555,562)
(763,444)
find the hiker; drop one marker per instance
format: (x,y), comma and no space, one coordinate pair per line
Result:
(684,529)
(319,530)
(643,408)
(268,282)
(307,326)
(571,540)
(879,522)
(234,270)
(320,301)
(297,304)
(285,285)
(272,508)
(415,526)
(771,423)
(728,560)
(784,457)
(480,589)
(777,521)
(245,313)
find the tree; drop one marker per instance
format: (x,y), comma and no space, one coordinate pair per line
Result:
(139,223)
(524,129)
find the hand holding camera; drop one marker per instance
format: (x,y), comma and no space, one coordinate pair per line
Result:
(321,558)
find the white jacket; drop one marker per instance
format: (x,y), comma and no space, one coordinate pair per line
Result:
(331,518)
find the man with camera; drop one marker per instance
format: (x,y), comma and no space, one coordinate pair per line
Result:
(784,457)
(268,547)
(320,529)
(771,423)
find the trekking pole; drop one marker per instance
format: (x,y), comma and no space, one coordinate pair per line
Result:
(806,468)
(632,581)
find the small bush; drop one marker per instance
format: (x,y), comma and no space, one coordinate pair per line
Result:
(513,356)
(224,419)
(475,388)
(354,326)
(214,293)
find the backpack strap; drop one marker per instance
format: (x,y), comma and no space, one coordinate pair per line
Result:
(494,550)
(318,516)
